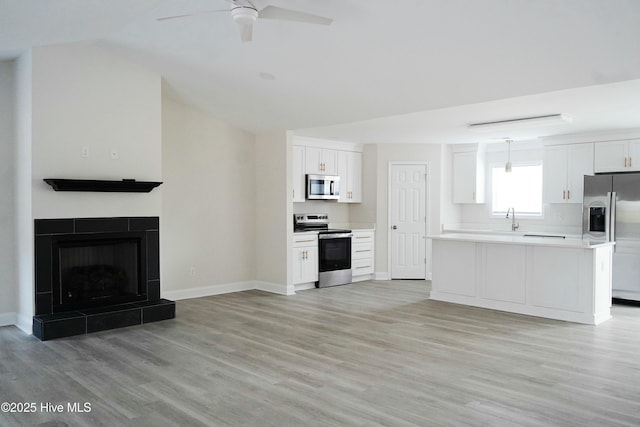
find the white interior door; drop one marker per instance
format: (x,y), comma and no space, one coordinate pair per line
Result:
(408,221)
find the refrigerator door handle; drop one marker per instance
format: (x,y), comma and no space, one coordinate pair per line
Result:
(612,218)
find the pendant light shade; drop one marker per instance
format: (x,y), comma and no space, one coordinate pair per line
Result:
(507,166)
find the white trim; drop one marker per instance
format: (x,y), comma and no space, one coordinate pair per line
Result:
(25,323)
(362,278)
(306,141)
(382,275)
(427,201)
(274,288)
(8,319)
(206,291)
(304,286)
(226,288)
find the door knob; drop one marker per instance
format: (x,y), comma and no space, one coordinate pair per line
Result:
(394,227)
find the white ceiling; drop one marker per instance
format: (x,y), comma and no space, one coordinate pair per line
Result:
(384,71)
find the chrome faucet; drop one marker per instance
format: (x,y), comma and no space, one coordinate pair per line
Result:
(514,225)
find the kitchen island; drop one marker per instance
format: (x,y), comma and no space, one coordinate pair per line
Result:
(552,277)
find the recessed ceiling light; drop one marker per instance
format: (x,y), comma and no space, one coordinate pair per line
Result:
(266,76)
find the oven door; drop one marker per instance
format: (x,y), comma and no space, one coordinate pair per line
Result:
(335,252)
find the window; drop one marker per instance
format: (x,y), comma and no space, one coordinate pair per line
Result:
(520,189)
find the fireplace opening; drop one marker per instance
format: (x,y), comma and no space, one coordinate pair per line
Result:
(95,270)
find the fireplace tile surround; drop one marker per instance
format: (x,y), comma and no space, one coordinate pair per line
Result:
(48,324)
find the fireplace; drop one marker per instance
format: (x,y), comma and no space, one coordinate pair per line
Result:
(98,269)
(94,274)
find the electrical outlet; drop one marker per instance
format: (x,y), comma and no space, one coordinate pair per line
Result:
(114,154)
(85,152)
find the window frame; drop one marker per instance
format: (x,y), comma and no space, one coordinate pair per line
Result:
(494,165)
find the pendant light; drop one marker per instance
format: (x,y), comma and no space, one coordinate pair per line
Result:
(507,166)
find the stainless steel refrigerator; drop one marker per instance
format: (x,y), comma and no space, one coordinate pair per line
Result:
(611,212)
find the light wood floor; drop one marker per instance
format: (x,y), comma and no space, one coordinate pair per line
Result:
(372,353)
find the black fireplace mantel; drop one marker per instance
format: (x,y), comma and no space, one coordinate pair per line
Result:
(105,186)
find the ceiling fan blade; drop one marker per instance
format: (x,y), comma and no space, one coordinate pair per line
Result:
(279,13)
(246,33)
(166,18)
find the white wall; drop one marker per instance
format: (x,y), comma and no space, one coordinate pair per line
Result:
(274,211)
(23,231)
(85,96)
(208,203)
(7,207)
(386,153)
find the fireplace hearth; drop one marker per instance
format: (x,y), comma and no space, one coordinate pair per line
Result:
(94,274)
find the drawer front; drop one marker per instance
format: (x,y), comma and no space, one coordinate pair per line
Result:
(362,237)
(362,266)
(302,241)
(361,250)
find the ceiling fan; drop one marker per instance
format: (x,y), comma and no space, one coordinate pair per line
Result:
(246,12)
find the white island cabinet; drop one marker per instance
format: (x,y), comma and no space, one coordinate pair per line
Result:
(564,279)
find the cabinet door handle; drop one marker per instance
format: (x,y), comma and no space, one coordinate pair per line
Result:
(474,196)
(564,194)
(364,250)
(305,241)
(625,162)
(364,266)
(568,194)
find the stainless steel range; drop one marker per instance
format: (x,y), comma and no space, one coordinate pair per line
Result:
(334,249)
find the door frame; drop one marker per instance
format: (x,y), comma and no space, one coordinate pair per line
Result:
(427,201)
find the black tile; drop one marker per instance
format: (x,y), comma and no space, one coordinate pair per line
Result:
(108,309)
(161,301)
(153,290)
(144,223)
(43,263)
(62,328)
(58,316)
(153,255)
(101,225)
(37,328)
(159,312)
(113,320)
(53,226)
(44,303)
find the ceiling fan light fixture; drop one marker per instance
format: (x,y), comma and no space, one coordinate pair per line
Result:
(244,16)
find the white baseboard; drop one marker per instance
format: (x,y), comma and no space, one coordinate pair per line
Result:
(383,275)
(225,288)
(275,288)
(25,323)
(206,291)
(7,319)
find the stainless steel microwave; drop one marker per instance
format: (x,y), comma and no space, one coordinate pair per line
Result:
(323,187)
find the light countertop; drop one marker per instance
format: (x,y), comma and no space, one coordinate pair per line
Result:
(519,239)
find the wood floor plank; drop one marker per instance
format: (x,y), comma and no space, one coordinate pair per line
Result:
(375,353)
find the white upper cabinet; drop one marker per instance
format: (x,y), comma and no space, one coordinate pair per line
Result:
(350,172)
(468,177)
(617,156)
(321,161)
(564,169)
(298,174)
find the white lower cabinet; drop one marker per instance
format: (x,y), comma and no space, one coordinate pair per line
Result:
(362,254)
(305,258)
(564,283)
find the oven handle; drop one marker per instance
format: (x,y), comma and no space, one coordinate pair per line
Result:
(335,236)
